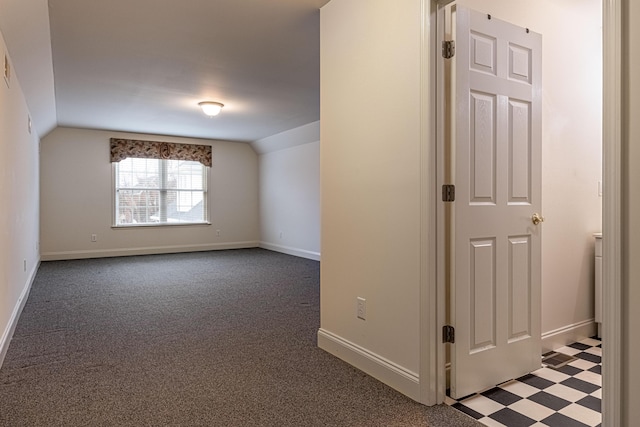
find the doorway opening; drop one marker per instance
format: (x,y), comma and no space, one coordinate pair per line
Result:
(608,181)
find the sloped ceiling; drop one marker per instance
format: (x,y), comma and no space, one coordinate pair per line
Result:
(25,27)
(143,65)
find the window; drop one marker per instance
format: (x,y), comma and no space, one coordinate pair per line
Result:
(160,191)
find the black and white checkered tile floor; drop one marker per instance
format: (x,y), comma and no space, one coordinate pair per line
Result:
(569,396)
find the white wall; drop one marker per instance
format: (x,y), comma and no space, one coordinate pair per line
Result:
(289,176)
(631,210)
(19,204)
(571,154)
(77,200)
(370,156)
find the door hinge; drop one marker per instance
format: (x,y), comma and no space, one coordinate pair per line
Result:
(448,49)
(448,193)
(448,334)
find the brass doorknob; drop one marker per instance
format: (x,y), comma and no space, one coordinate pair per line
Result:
(537,218)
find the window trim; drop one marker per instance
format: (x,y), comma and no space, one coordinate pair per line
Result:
(114,214)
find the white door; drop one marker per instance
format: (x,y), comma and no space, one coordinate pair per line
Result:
(496,162)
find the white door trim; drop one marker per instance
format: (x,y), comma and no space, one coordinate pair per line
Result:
(432,299)
(432,360)
(612,395)
(438,241)
(433,308)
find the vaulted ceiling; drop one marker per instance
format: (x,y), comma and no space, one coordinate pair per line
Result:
(143,65)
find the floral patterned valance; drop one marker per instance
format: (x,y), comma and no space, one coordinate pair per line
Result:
(123,148)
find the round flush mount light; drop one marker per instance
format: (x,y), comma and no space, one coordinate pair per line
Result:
(211,108)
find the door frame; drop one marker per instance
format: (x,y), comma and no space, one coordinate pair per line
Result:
(432,300)
(612,224)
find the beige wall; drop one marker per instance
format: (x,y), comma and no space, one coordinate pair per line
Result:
(77,200)
(370,178)
(18,201)
(289,176)
(571,156)
(631,211)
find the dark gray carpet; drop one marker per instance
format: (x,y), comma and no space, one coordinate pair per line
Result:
(223,338)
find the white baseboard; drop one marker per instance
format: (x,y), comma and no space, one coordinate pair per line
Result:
(5,339)
(291,251)
(560,337)
(393,375)
(150,250)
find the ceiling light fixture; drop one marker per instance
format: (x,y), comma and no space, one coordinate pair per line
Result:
(211,108)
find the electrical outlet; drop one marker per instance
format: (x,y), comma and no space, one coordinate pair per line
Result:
(217,233)
(281,234)
(24,265)
(361,310)
(94,237)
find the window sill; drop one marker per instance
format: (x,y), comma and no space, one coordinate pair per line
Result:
(175,224)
